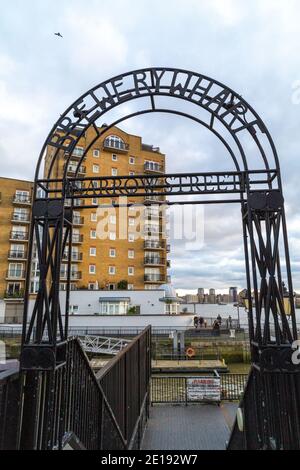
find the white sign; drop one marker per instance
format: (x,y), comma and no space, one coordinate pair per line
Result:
(204,389)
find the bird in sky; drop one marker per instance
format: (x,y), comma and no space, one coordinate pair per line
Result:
(58,34)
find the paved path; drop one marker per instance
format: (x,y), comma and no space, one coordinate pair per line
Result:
(193,427)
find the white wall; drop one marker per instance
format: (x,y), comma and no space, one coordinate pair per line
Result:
(88,301)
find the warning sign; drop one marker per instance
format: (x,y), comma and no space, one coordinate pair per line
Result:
(204,389)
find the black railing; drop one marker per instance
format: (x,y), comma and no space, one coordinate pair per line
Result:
(174,389)
(71,403)
(269,412)
(9,406)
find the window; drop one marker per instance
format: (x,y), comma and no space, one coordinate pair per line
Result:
(13,288)
(34,287)
(130,271)
(113,219)
(93,217)
(131,254)
(131,173)
(117,307)
(93,251)
(114,172)
(95,201)
(73,309)
(112,270)
(93,234)
(130,286)
(96,153)
(131,160)
(96,168)
(131,237)
(131,221)
(21,215)
(78,151)
(112,235)
(22,196)
(114,157)
(92,286)
(92,269)
(112,252)
(16,270)
(113,141)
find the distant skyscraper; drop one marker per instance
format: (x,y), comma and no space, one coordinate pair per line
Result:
(233,294)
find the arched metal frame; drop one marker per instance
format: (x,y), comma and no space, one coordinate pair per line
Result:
(259,191)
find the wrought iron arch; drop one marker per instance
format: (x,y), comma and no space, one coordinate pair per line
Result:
(259,192)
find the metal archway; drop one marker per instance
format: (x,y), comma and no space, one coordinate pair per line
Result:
(258,189)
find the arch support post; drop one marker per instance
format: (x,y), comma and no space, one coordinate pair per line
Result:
(271,405)
(45,331)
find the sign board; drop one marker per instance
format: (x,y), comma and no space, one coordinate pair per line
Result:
(204,389)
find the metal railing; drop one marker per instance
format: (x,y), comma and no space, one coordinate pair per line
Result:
(9,405)
(19,199)
(115,144)
(174,389)
(270,411)
(153,167)
(103,412)
(17,254)
(155,278)
(15,235)
(20,218)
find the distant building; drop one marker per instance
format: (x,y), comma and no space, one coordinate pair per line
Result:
(233,294)
(191,299)
(201,295)
(212,296)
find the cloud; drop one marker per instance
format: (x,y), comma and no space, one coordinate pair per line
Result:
(251,46)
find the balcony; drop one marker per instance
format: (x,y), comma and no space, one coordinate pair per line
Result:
(10,296)
(154,261)
(77,220)
(115,145)
(21,255)
(21,218)
(15,274)
(77,202)
(157,199)
(20,236)
(154,245)
(77,238)
(75,275)
(151,167)
(72,170)
(76,257)
(155,278)
(22,199)
(151,214)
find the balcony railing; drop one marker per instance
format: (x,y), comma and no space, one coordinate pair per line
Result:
(75,276)
(19,199)
(20,218)
(150,167)
(77,238)
(13,254)
(20,236)
(154,245)
(149,198)
(14,295)
(72,170)
(112,144)
(151,260)
(155,278)
(77,202)
(75,257)
(16,274)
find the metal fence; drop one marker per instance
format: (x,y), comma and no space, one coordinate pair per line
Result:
(72,404)
(174,389)
(9,406)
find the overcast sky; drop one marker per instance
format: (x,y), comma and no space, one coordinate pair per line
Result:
(252,47)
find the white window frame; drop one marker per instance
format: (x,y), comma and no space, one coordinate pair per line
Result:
(93,234)
(131,160)
(112,270)
(130,271)
(93,251)
(96,153)
(92,269)
(112,253)
(96,168)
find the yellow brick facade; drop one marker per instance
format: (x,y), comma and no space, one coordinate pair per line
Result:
(109,156)
(133,262)
(15,204)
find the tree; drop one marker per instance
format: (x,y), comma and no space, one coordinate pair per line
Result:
(122,285)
